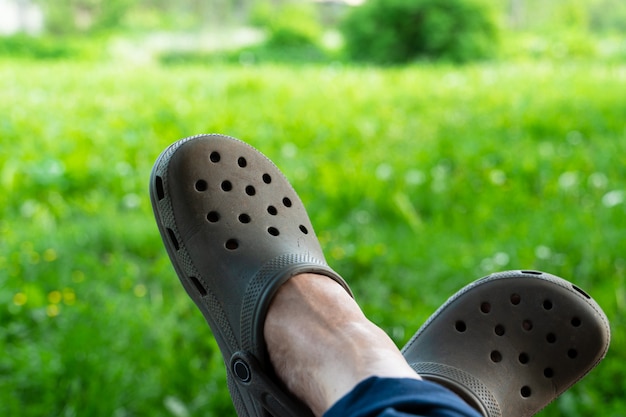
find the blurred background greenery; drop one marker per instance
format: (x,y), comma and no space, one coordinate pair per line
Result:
(433,141)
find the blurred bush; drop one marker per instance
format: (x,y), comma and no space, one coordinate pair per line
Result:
(42,47)
(290,25)
(399,31)
(292,31)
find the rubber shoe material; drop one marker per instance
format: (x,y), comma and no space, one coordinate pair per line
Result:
(511,342)
(235,231)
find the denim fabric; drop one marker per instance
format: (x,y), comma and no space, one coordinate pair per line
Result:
(400,397)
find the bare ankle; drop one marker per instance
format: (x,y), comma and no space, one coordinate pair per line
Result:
(321,345)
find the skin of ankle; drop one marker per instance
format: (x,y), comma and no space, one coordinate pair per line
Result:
(321,344)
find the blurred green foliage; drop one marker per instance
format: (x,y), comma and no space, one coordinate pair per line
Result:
(87,16)
(25,46)
(607,16)
(588,16)
(293,34)
(48,47)
(65,17)
(418,180)
(291,25)
(400,31)
(298,31)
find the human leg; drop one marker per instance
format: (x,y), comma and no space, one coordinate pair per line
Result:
(322,345)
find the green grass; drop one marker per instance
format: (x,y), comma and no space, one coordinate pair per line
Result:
(418,180)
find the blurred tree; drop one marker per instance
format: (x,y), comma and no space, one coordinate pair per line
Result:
(83,16)
(567,15)
(608,16)
(90,16)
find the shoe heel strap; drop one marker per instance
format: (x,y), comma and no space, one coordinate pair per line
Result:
(470,389)
(253,380)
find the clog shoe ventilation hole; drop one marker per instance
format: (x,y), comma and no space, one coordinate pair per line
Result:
(526,325)
(227,186)
(250,190)
(213,216)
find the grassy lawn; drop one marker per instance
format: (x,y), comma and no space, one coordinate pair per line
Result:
(418,180)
